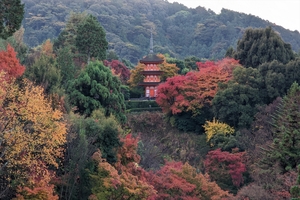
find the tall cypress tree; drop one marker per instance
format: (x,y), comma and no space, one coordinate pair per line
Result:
(11,16)
(91,39)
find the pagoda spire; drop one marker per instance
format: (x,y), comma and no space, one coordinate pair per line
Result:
(151,43)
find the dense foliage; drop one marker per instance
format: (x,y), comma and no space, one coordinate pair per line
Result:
(90,39)
(96,87)
(259,46)
(11,16)
(228,130)
(177,30)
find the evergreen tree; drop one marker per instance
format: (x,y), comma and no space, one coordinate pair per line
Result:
(66,64)
(96,87)
(262,45)
(235,102)
(11,16)
(287,130)
(295,189)
(91,39)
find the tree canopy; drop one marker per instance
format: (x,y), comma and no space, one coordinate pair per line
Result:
(258,46)
(96,87)
(90,38)
(11,16)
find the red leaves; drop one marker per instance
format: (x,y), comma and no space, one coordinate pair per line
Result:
(128,152)
(181,181)
(169,184)
(196,89)
(119,69)
(10,64)
(224,162)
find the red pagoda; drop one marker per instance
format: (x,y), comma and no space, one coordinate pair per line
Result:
(151,72)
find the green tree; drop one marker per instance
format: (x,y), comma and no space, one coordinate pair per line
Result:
(11,16)
(295,189)
(44,72)
(66,65)
(287,130)
(67,36)
(90,39)
(235,102)
(96,87)
(262,45)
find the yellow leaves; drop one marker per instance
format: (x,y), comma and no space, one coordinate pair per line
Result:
(216,127)
(136,75)
(47,48)
(33,131)
(169,70)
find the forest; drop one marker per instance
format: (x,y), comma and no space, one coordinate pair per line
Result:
(178,31)
(73,125)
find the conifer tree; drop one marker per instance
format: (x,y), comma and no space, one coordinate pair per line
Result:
(286,130)
(11,16)
(96,87)
(90,39)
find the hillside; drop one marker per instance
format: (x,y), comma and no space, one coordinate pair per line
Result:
(178,30)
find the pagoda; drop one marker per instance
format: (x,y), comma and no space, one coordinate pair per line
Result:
(151,72)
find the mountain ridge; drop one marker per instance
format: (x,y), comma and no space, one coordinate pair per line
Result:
(178,30)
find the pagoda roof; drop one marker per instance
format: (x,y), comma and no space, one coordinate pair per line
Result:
(151,58)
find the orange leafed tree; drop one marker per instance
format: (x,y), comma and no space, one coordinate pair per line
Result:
(196,89)
(10,64)
(47,48)
(40,186)
(31,132)
(136,75)
(123,180)
(181,181)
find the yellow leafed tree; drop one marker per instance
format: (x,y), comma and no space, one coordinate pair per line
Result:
(215,127)
(31,132)
(169,70)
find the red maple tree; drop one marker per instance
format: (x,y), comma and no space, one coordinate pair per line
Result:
(221,163)
(9,63)
(196,89)
(119,69)
(176,180)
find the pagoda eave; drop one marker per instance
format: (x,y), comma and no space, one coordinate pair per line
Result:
(151,62)
(149,83)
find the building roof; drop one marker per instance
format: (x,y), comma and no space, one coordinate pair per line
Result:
(151,58)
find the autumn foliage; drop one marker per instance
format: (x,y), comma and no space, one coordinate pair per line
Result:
(31,134)
(222,163)
(126,179)
(10,64)
(215,127)
(40,184)
(196,89)
(181,181)
(118,69)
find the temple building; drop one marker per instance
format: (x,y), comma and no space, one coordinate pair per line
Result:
(151,72)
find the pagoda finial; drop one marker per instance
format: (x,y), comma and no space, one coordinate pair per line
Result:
(151,43)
